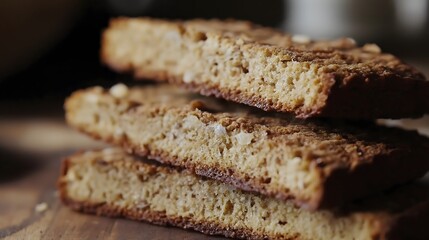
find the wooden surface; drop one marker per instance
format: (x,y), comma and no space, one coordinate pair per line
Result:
(33,139)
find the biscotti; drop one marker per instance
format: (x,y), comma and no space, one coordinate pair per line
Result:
(317,164)
(112,183)
(271,70)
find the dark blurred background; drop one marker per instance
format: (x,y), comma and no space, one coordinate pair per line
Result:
(50,47)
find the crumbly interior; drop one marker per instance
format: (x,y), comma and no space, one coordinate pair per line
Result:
(112,178)
(255,65)
(186,136)
(283,158)
(196,57)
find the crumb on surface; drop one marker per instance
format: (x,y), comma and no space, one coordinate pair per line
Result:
(41,207)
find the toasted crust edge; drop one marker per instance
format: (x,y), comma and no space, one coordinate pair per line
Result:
(223,175)
(158,218)
(333,194)
(327,104)
(398,228)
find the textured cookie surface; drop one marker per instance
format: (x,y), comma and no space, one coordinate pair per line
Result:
(112,183)
(268,69)
(315,163)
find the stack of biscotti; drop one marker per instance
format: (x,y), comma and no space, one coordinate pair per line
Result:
(220,167)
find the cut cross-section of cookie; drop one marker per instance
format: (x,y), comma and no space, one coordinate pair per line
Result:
(111,183)
(318,164)
(268,69)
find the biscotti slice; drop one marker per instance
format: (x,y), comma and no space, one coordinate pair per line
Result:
(268,69)
(112,183)
(315,163)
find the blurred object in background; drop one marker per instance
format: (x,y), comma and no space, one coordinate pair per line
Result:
(363,19)
(421,124)
(31,28)
(397,25)
(413,17)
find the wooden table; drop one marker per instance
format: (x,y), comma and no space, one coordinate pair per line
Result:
(33,139)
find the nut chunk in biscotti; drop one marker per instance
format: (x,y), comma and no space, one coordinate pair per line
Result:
(111,183)
(317,164)
(268,69)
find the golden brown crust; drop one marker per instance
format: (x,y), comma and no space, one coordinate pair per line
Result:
(416,220)
(356,82)
(159,218)
(340,187)
(350,160)
(397,214)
